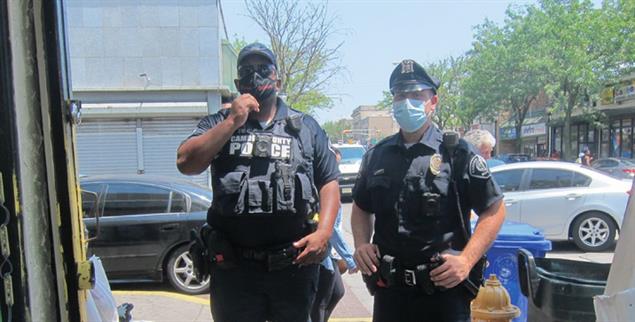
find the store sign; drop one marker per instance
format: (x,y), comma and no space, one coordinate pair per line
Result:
(534,129)
(624,93)
(508,133)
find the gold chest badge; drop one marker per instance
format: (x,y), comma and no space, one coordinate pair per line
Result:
(435,164)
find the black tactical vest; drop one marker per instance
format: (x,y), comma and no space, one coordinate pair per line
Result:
(266,172)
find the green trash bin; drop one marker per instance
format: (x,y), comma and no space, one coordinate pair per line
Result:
(560,289)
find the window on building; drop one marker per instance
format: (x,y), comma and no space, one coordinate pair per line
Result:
(550,179)
(574,139)
(627,146)
(604,150)
(616,139)
(582,130)
(557,139)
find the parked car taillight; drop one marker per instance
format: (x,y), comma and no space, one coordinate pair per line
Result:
(630,172)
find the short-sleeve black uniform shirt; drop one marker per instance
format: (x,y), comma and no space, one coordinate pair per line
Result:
(393,183)
(265,230)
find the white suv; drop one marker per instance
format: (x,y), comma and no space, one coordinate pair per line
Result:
(349,166)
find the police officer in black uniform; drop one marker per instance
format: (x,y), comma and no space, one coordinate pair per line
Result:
(271,166)
(420,192)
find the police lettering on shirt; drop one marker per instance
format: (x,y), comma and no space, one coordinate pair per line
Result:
(243,144)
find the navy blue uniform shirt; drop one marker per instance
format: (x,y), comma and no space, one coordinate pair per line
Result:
(263,231)
(393,180)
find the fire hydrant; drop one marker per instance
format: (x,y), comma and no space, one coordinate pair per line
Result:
(492,303)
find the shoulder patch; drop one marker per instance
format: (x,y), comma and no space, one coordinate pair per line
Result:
(478,167)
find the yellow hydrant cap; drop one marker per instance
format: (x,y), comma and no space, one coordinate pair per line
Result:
(492,302)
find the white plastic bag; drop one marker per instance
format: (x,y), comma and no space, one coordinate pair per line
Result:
(101,305)
(617,307)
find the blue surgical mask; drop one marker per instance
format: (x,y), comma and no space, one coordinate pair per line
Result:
(410,114)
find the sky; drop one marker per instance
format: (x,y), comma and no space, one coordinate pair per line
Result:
(378,34)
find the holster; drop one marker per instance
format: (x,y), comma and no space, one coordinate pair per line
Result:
(475,279)
(375,280)
(221,252)
(423,278)
(209,247)
(387,270)
(199,253)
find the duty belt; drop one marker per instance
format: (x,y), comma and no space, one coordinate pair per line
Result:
(275,259)
(395,274)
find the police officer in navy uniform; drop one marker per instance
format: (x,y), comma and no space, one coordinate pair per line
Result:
(421,254)
(271,167)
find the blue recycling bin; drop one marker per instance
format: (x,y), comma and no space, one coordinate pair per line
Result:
(503,260)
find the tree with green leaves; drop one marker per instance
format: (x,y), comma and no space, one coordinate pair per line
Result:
(582,50)
(334,129)
(299,34)
(386,101)
(504,72)
(450,113)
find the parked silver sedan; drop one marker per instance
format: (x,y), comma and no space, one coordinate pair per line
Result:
(566,200)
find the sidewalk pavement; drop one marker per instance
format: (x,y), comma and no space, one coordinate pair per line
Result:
(168,306)
(165,306)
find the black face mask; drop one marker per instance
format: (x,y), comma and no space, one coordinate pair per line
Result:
(261,88)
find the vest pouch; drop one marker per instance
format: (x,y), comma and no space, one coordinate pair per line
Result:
(284,188)
(231,194)
(260,196)
(305,193)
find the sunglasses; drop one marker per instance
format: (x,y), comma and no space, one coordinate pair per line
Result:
(264,70)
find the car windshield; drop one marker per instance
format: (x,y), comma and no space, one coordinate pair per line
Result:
(351,155)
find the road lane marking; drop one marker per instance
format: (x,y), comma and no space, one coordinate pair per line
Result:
(176,296)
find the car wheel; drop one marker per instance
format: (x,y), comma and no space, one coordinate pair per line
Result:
(180,273)
(594,232)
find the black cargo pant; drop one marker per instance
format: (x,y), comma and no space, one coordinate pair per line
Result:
(413,305)
(249,293)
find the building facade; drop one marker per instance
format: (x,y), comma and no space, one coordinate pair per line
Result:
(533,134)
(371,124)
(614,137)
(146,72)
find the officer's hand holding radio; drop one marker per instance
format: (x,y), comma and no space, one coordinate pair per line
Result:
(313,247)
(452,272)
(367,258)
(241,107)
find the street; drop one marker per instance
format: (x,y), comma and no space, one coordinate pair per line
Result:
(159,302)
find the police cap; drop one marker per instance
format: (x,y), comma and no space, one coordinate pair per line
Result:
(259,49)
(409,76)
